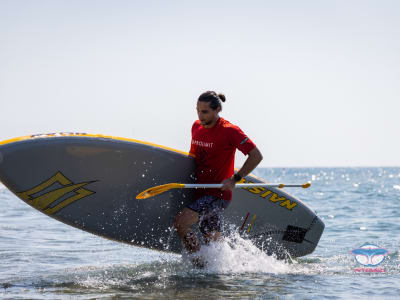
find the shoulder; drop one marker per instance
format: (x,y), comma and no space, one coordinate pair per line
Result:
(229,126)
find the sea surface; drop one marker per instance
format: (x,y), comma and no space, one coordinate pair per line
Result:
(41,258)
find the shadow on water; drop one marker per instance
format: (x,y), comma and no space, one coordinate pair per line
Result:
(171,279)
(175,280)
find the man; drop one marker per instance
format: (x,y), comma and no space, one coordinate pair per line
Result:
(214,142)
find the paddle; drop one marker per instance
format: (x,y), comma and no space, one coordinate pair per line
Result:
(156,190)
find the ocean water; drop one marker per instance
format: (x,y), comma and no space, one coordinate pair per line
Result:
(42,258)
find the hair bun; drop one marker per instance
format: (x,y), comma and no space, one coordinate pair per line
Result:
(222,97)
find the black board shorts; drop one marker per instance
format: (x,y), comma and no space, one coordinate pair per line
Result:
(210,210)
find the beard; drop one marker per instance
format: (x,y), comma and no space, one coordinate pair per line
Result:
(206,122)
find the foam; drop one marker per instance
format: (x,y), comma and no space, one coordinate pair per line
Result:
(233,254)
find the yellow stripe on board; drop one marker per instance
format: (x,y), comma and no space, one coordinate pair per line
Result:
(252,222)
(67,134)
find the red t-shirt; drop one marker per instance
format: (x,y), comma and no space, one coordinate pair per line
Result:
(214,151)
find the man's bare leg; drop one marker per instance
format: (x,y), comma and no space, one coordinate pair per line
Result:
(183,222)
(212,236)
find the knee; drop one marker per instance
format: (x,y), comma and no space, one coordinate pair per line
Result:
(185,219)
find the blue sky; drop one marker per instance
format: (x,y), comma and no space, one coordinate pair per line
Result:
(313,83)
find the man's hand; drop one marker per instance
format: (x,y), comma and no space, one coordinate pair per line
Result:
(251,162)
(228,184)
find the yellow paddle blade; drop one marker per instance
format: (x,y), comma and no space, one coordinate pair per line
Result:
(306,185)
(158,190)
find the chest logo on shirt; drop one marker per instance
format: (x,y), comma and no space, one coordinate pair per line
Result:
(202,144)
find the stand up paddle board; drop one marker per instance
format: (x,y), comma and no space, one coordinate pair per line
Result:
(91,181)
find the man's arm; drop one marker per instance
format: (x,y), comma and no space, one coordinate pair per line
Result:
(252,161)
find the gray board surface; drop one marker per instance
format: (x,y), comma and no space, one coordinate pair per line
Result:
(90,182)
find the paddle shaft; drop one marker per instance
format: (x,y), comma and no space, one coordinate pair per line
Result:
(166,187)
(240,185)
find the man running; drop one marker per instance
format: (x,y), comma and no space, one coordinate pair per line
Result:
(214,143)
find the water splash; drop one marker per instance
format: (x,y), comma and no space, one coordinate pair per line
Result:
(234,254)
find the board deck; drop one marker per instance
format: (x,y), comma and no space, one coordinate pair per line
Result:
(90,182)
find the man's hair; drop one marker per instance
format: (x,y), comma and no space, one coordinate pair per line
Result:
(213,99)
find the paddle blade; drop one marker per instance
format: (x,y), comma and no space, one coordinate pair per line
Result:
(156,190)
(306,185)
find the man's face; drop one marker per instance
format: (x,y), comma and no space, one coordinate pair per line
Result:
(207,116)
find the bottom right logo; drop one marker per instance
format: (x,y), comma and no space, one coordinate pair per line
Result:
(370,256)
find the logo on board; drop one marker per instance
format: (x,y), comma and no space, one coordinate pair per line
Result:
(55,193)
(270,195)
